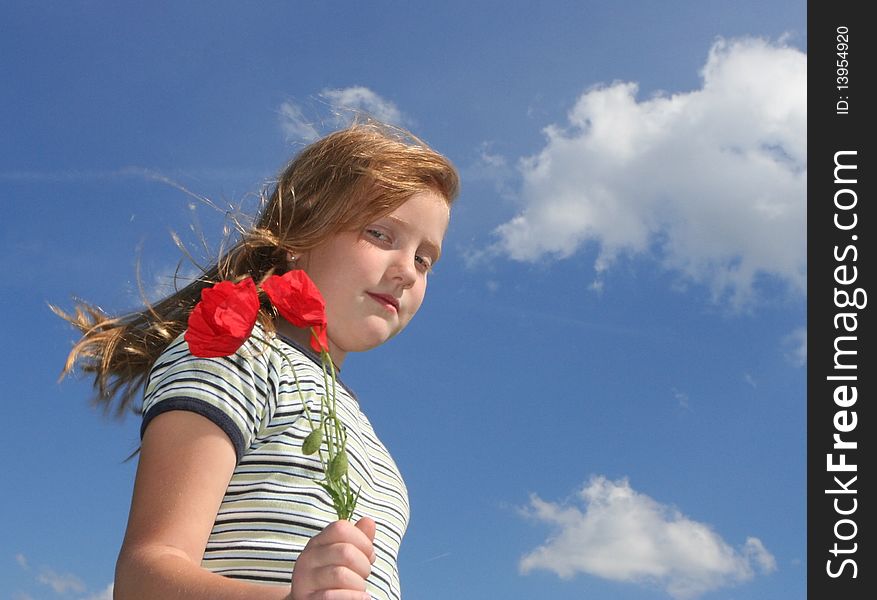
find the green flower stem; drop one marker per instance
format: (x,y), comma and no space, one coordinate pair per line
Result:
(334,436)
(339,488)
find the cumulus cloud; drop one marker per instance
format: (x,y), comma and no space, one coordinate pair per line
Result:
(61,582)
(710,183)
(625,536)
(346,103)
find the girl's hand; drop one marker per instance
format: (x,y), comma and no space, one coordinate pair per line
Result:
(335,563)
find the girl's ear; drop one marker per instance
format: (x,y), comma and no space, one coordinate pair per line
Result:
(296,261)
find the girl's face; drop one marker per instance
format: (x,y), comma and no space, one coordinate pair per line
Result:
(374,280)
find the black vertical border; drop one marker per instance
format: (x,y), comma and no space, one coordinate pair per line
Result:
(834,127)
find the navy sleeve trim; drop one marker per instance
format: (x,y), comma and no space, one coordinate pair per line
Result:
(215,415)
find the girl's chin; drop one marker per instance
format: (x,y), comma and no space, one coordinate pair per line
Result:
(365,340)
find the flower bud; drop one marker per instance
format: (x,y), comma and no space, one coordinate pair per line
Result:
(312,442)
(338,466)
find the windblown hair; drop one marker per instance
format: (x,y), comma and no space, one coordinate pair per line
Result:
(339,183)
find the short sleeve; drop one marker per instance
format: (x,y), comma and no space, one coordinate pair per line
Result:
(232,391)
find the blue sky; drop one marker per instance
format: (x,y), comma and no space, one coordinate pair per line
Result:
(603,396)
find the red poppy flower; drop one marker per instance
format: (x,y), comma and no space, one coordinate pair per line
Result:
(319,338)
(297,299)
(224,318)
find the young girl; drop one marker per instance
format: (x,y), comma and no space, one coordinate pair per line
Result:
(226,504)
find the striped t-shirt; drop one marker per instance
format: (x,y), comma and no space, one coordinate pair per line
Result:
(273,504)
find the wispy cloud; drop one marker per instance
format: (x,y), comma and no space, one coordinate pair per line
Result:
(359,98)
(795,345)
(61,582)
(494,168)
(79,175)
(709,183)
(163,282)
(127,173)
(345,104)
(295,125)
(625,536)
(105,594)
(436,557)
(681,398)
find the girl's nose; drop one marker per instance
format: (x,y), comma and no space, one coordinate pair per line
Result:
(404,270)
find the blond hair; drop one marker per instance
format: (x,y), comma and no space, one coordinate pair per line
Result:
(338,183)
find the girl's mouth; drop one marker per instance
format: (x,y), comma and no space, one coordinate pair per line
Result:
(385,300)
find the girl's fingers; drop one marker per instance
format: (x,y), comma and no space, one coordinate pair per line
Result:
(343,555)
(368,527)
(339,578)
(335,563)
(340,595)
(346,533)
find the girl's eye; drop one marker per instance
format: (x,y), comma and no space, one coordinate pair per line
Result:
(423,262)
(377,234)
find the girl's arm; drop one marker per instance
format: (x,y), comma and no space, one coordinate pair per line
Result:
(185,466)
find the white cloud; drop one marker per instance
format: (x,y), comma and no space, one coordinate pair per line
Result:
(294,124)
(362,99)
(710,183)
(681,398)
(61,582)
(796,347)
(495,169)
(76,176)
(755,552)
(106,594)
(626,536)
(165,281)
(345,104)
(79,175)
